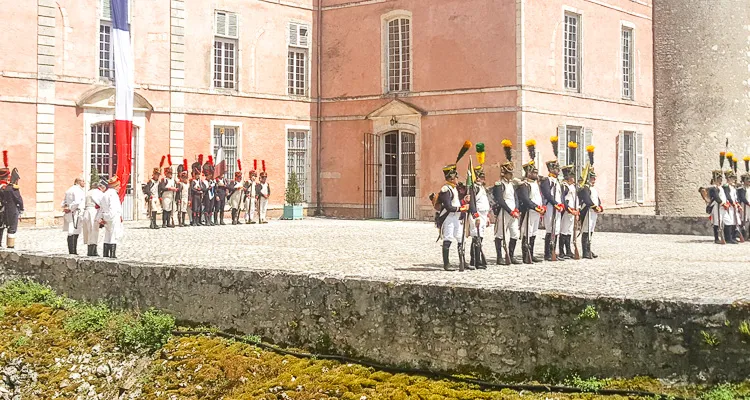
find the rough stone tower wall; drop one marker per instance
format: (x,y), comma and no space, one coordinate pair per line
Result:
(701,95)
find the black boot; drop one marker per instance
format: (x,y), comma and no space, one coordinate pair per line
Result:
(75,244)
(481,260)
(729,234)
(512,251)
(88,250)
(585,243)
(446,256)
(591,237)
(233,219)
(153,220)
(462,258)
(164,216)
(549,247)
(472,252)
(499,251)
(1,236)
(170,223)
(105,250)
(221,217)
(568,251)
(113,251)
(92,250)
(525,256)
(70,244)
(531,249)
(561,253)
(210,219)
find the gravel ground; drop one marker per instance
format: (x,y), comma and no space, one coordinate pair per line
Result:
(685,268)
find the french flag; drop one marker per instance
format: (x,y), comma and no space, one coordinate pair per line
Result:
(124,88)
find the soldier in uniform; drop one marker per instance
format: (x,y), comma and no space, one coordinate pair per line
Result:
(732,221)
(72,206)
(90,219)
(236,191)
(221,200)
(209,190)
(182,198)
(151,193)
(553,201)
(530,205)
(167,192)
(196,193)
(263,190)
(742,197)
(591,207)
(449,219)
(111,213)
(505,209)
(11,202)
(572,209)
(251,196)
(479,224)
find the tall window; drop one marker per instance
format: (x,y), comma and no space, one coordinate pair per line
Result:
(627,63)
(297,155)
(225,50)
(103,153)
(297,70)
(572,52)
(106,55)
(225,138)
(399,55)
(630,167)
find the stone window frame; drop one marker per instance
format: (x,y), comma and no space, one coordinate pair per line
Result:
(225,39)
(578,14)
(307,186)
(385,20)
(296,47)
(626,26)
(216,124)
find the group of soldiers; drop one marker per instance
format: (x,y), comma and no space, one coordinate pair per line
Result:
(89,212)
(727,201)
(206,194)
(516,208)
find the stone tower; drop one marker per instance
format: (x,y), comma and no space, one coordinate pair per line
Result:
(701,95)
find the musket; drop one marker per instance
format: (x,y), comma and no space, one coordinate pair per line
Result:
(553,239)
(505,238)
(525,238)
(576,222)
(739,229)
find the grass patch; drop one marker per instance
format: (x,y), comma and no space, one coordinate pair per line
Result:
(710,339)
(725,391)
(88,318)
(745,329)
(148,331)
(592,385)
(588,313)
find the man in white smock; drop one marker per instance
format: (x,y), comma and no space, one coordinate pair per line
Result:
(505,210)
(111,214)
(264,192)
(90,219)
(72,206)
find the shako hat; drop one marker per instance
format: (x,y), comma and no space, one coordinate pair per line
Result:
(5,171)
(531,165)
(553,164)
(507,166)
(450,171)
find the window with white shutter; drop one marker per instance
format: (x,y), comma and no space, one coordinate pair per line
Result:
(297,58)
(572,52)
(627,63)
(562,146)
(225,53)
(298,160)
(629,167)
(640,169)
(106,9)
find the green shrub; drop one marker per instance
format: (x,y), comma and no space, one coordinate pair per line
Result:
(149,331)
(21,293)
(588,313)
(724,391)
(88,318)
(586,385)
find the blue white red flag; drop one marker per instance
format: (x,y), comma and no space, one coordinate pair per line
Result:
(124,88)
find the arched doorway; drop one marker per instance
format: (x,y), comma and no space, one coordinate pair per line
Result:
(103,160)
(399,181)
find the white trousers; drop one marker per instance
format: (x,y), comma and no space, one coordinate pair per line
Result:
(69,226)
(589,223)
(263,207)
(452,228)
(552,213)
(567,221)
(532,225)
(510,228)
(483,215)
(90,227)
(250,209)
(113,232)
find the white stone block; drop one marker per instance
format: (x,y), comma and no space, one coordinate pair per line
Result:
(45,167)
(177,117)
(176,143)
(45,59)
(45,148)
(46,21)
(176,126)
(45,207)
(45,118)
(178,98)
(45,187)
(45,50)
(46,40)
(177,153)
(45,157)
(47,197)
(45,109)
(177,135)
(45,128)
(178,74)
(46,69)
(45,138)
(45,177)
(46,11)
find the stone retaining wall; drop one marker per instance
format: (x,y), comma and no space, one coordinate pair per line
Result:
(509,333)
(654,224)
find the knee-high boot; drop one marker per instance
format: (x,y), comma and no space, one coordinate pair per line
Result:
(462,258)
(534,258)
(105,250)
(512,251)
(729,234)
(473,251)
(1,236)
(153,220)
(499,251)
(113,251)
(585,243)
(75,244)
(446,256)
(548,247)
(481,260)
(525,256)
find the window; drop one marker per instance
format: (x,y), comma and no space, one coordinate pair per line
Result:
(572,52)
(627,63)
(225,50)
(103,158)
(297,72)
(630,170)
(297,153)
(399,55)
(299,42)
(225,138)
(106,55)
(580,135)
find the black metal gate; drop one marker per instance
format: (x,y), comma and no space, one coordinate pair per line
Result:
(372,165)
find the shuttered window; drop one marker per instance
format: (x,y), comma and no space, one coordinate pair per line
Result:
(399,55)
(630,168)
(572,52)
(627,63)
(225,50)
(577,134)
(297,152)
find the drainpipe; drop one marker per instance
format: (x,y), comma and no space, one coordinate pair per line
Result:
(319,208)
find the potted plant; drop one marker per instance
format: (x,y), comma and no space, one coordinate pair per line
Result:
(293,198)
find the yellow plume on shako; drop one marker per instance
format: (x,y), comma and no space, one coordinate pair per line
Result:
(508,148)
(531,146)
(480,153)
(590,150)
(464,149)
(554,140)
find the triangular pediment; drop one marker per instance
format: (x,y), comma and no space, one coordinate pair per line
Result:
(395,108)
(104,97)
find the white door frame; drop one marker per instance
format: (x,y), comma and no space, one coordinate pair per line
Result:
(399,198)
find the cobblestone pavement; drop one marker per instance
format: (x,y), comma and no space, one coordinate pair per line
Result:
(686,268)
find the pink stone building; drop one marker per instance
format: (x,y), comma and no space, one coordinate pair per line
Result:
(365,100)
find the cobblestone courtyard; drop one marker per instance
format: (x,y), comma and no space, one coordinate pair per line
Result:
(635,266)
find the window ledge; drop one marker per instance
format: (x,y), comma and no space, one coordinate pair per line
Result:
(215,90)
